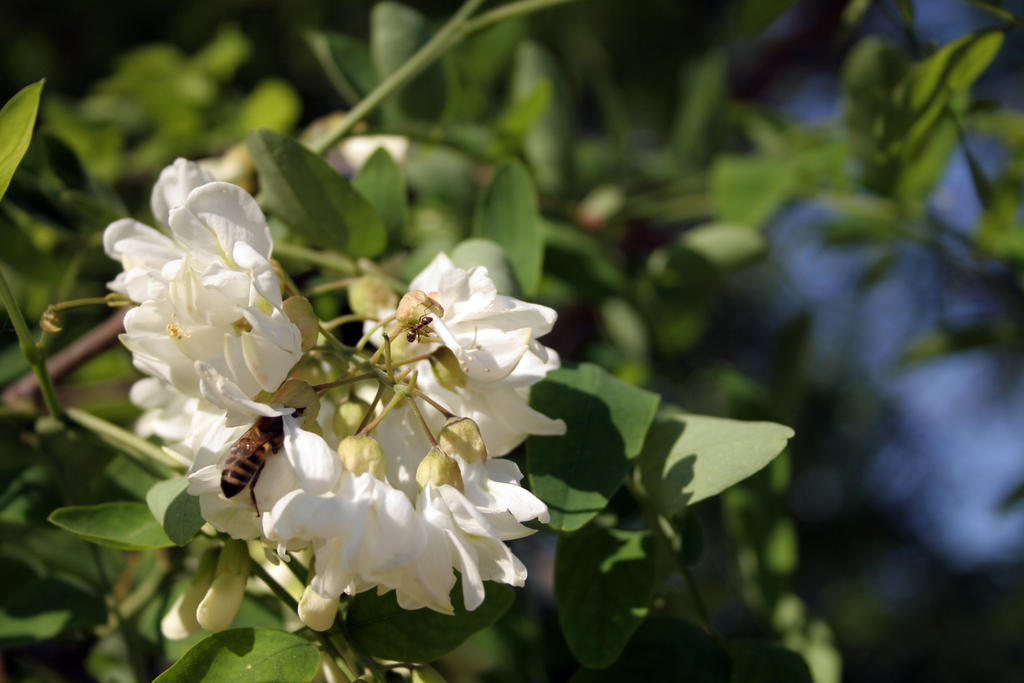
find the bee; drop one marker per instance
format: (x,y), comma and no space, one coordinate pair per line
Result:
(418,329)
(241,465)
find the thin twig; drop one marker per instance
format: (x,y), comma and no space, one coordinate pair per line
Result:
(96,341)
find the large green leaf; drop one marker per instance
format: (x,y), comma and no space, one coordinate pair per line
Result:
(122,525)
(604,581)
(346,61)
(688,458)
(17,118)
(46,607)
(755,661)
(606,422)
(548,145)
(668,651)
(379,627)
(175,510)
(313,198)
(507,214)
(381,183)
(396,33)
(252,655)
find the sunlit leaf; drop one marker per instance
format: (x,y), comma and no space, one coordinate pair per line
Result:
(381,628)
(604,582)
(17,118)
(688,458)
(313,198)
(606,422)
(272,104)
(507,214)
(123,525)
(252,655)
(176,511)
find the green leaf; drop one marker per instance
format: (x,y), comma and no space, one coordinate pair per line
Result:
(313,198)
(481,252)
(522,114)
(507,214)
(175,510)
(955,67)
(724,245)
(688,458)
(548,145)
(381,183)
(46,607)
(604,582)
(991,334)
(606,422)
(757,15)
(699,124)
(665,650)
(396,33)
(755,661)
(749,190)
(346,61)
(379,627)
(272,104)
(252,655)
(17,118)
(123,525)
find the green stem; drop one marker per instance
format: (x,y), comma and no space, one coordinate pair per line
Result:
(321,388)
(32,352)
(509,11)
(395,400)
(326,259)
(424,57)
(284,596)
(138,449)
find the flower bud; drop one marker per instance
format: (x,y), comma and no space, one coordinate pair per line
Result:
(446,369)
(180,621)
(426,674)
(317,611)
(361,454)
(297,394)
(369,295)
(438,468)
(461,436)
(348,417)
(414,306)
(300,312)
(218,609)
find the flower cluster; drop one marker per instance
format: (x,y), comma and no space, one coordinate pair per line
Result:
(389,467)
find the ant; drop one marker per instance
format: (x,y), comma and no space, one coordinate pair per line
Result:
(418,329)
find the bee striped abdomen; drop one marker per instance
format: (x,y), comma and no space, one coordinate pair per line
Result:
(242,464)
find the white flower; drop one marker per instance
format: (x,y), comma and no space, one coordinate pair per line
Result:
(493,338)
(208,292)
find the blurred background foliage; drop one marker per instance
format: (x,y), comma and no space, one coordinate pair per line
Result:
(806,212)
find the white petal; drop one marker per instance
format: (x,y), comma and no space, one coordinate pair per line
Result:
(316,465)
(173,186)
(225,394)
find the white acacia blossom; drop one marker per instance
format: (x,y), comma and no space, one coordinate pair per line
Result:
(386,511)
(207,292)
